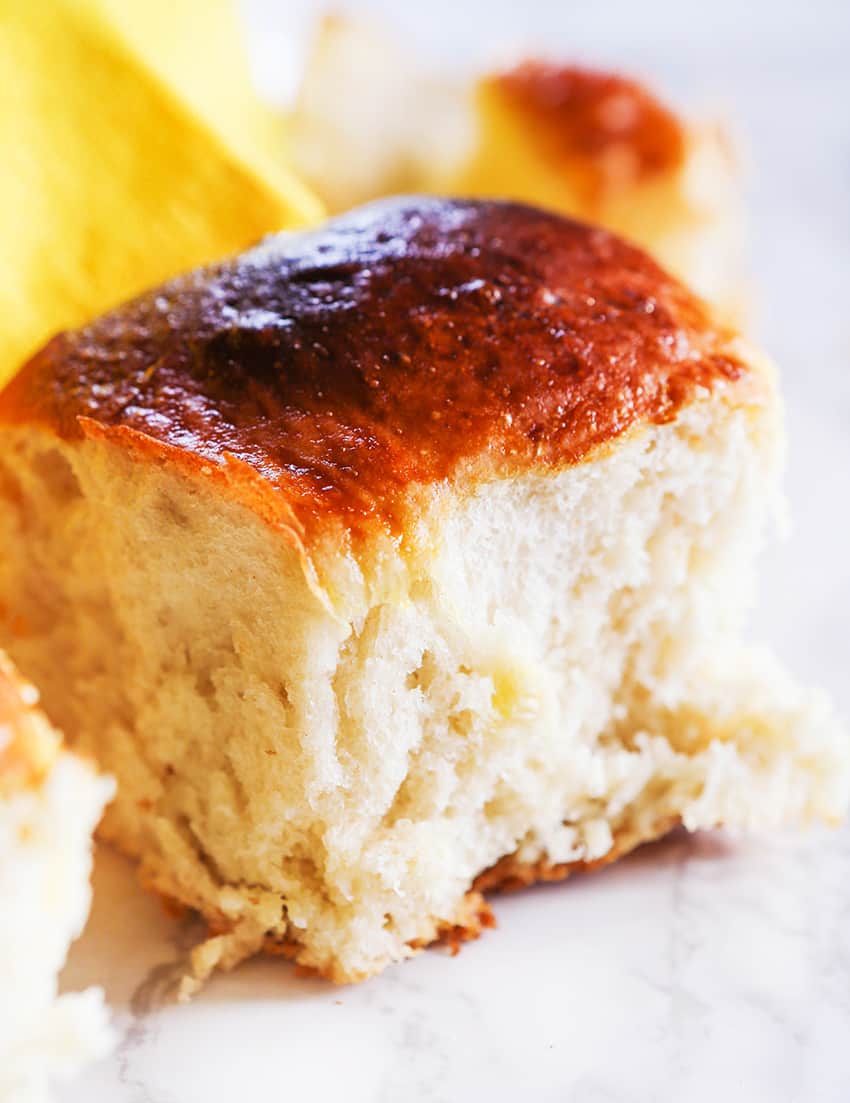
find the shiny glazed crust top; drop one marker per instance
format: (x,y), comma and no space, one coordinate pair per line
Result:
(398,345)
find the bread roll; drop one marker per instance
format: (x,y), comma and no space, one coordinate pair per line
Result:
(601,146)
(50,801)
(589,143)
(399,559)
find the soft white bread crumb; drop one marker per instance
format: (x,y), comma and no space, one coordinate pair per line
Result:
(46,826)
(549,671)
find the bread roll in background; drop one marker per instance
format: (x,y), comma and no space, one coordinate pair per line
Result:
(370,120)
(402,559)
(50,801)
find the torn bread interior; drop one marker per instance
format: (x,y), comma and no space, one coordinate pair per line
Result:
(398,553)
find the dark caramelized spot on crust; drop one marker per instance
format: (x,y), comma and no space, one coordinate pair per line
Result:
(389,348)
(601,129)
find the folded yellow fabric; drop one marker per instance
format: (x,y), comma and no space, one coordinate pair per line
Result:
(113,177)
(196,46)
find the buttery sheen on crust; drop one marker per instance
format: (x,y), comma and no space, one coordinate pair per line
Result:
(394,346)
(400,560)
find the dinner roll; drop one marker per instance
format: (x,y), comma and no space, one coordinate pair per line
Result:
(400,559)
(50,801)
(601,146)
(592,143)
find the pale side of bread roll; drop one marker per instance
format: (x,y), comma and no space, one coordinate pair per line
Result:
(50,801)
(400,559)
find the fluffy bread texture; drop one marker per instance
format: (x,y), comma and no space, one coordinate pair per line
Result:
(335,723)
(50,802)
(371,121)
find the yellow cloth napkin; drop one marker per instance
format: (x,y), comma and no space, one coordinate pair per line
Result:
(121,170)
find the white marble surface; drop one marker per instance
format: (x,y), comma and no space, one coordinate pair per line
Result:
(699,969)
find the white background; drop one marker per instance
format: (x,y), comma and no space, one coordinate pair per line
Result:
(700,969)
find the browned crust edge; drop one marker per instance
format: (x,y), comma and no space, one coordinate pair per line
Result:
(509,874)
(473,917)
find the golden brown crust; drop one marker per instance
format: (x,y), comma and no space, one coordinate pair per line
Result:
(327,375)
(511,873)
(602,130)
(28,744)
